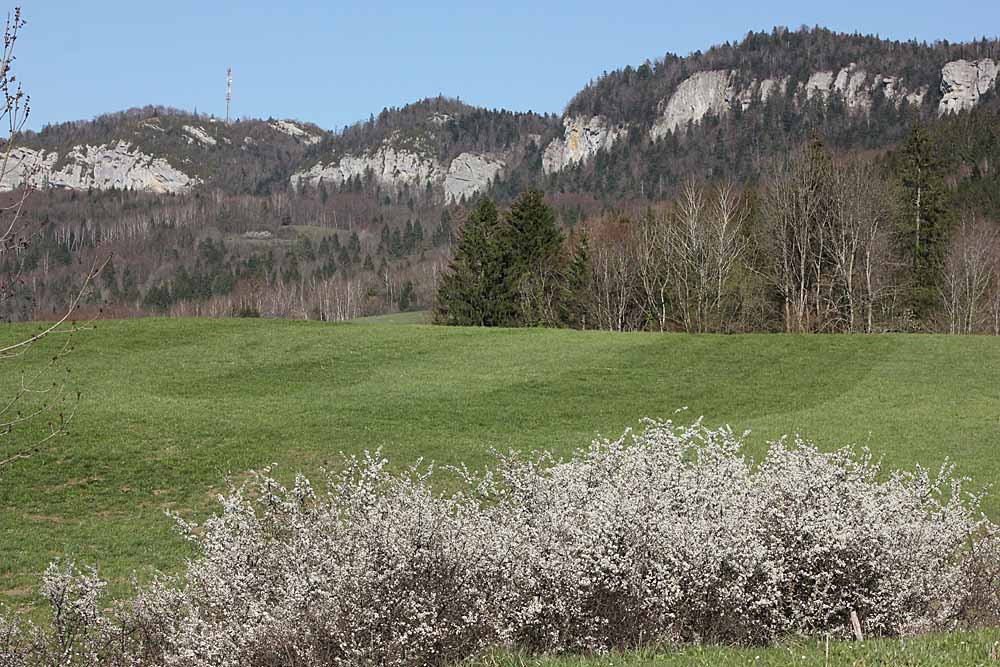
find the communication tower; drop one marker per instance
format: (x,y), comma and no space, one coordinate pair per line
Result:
(229,91)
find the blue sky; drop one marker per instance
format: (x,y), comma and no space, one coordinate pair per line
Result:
(336,62)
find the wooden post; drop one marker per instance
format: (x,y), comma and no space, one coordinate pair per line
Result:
(856,626)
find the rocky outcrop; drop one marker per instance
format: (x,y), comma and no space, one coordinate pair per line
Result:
(963,82)
(439,119)
(390,167)
(295,132)
(849,82)
(105,167)
(470,174)
(819,83)
(853,86)
(393,168)
(893,90)
(696,96)
(199,135)
(716,92)
(25,167)
(582,138)
(769,87)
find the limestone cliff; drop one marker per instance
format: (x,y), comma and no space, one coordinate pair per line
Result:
(849,82)
(716,92)
(582,139)
(295,131)
(395,167)
(696,96)
(104,167)
(199,135)
(390,166)
(963,82)
(470,174)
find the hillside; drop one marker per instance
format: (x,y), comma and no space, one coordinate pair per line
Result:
(439,146)
(171,406)
(763,94)
(721,112)
(163,151)
(282,218)
(436,149)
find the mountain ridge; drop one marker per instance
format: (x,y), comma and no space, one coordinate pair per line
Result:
(782,86)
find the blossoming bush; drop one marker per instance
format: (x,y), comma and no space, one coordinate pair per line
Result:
(671,535)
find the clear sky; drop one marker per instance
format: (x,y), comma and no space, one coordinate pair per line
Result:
(334,62)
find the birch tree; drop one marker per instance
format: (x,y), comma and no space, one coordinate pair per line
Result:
(794,200)
(967,276)
(653,258)
(857,225)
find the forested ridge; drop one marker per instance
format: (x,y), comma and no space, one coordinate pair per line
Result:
(245,242)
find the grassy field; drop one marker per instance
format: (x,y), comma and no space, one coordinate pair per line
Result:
(955,650)
(170,407)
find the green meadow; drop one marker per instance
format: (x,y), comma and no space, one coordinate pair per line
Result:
(171,407)
(979,649)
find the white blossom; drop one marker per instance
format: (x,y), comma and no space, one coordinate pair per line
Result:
(672,535)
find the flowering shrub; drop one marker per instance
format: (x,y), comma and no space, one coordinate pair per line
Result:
(671,535)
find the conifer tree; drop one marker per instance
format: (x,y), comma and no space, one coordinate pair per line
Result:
(576,286)
(477,290)
(536,259)
(924,226)
(406,296)
(535,238)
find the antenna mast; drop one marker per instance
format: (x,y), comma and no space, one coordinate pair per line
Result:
(229,91)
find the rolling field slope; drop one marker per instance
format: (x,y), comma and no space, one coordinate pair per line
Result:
(170,407)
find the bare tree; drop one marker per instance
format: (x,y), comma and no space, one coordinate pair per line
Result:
(15,235)
(856,230)
(614,281)
(689,261)
(653,257)
(39,393)
(994,294)
(968,274)
(729,242)
(794,200)
(705,243)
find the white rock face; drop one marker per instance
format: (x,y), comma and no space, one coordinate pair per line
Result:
(819,83)
(100,167)
(394,168)
(26,167)
(963,82)
(769,87)
(296,132)
(469,174)
(893,90)
(582,139)
(200,135)
(696,96)
(391,167)
(850,83)
(439,118)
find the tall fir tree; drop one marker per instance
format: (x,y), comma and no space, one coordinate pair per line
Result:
(536,259)
(924,225)
(535,237)
(477,290)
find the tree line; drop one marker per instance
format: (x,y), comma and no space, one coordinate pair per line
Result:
(822,243)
